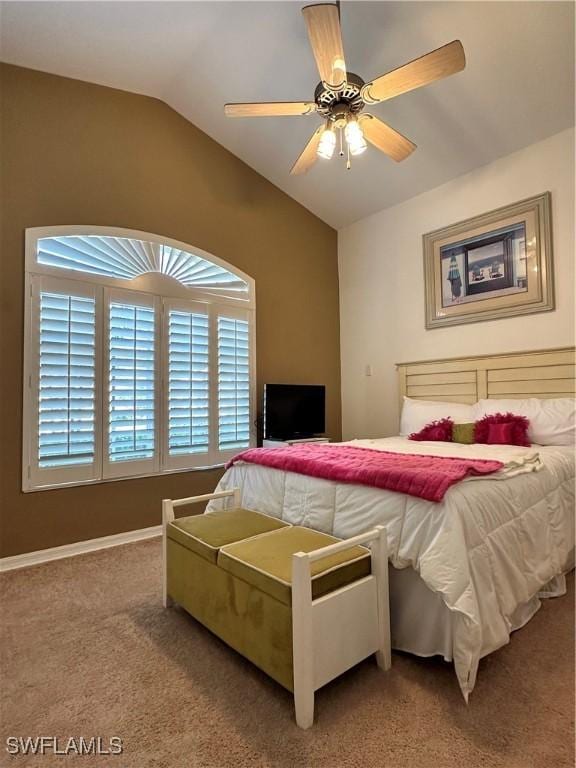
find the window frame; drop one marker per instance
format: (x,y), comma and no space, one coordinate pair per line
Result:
(163,293)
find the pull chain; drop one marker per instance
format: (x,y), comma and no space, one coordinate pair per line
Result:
(341,147)
(348,163)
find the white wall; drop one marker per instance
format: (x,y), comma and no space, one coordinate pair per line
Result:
(382,283)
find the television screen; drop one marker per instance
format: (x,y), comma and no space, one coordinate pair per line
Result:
(293,410)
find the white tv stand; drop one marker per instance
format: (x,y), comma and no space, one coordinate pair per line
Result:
(283,443)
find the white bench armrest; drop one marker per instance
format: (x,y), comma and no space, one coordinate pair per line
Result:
(173,503)
(378,532)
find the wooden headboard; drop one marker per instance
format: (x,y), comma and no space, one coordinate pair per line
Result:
(544,373)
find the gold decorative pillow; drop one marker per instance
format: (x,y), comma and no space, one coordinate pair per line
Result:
(463,433)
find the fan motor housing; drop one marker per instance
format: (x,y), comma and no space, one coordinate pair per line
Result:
(345,99)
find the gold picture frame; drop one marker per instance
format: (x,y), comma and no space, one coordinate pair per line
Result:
(495,265)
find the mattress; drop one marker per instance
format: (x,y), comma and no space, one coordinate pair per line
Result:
(484,553)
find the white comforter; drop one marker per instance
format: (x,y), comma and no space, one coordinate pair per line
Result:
(487,548)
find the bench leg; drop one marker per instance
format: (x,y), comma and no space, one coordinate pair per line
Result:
(380,567)
(167,601)
(383,659)
(302,640)
(167,517)
(304,705)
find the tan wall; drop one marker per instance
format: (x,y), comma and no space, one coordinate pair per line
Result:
(77,153)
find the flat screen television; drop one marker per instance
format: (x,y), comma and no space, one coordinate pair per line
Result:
(293,411)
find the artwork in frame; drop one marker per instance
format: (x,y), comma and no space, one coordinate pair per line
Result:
(495,265)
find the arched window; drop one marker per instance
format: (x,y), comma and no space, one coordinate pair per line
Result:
(139,357)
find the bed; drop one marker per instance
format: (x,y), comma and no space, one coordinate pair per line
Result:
(467,571)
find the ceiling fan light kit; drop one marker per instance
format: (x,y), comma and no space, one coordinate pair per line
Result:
(327,143)
(341,96)
(354,136)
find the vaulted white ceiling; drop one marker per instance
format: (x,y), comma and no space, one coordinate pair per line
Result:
(517,88)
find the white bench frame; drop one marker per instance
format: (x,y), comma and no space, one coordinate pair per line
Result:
(330,634)
(340,629)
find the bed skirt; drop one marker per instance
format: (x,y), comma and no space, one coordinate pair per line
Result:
(413,604)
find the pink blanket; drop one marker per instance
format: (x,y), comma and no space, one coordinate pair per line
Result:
(427,477)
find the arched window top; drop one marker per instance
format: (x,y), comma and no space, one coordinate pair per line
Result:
(113,254)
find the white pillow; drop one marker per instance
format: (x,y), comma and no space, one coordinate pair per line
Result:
(552,422)
(417,413)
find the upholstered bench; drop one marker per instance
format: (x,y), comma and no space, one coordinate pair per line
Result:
(301,605)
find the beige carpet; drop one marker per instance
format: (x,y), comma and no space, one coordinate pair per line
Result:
(88,650)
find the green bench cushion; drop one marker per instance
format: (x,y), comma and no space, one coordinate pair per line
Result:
(205,534)
(266,562)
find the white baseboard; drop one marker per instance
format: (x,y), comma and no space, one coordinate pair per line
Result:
(78,548)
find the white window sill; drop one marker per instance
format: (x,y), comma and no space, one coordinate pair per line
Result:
(56,486)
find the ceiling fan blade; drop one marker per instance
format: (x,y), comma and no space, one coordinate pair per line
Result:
(386,139)
(433,66)
(270,109)
(308,156)
(323,23)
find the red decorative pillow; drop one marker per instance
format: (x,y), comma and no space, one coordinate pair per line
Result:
(501,434)
(439,431)
(502,429)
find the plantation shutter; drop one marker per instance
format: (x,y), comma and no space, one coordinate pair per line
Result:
(63,383)
(233,345)
(188,385)
(132,385)
(66,411)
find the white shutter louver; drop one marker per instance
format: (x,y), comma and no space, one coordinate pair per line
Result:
(188,383)
(66,386)
(125,258)
(131,393)
(233,383)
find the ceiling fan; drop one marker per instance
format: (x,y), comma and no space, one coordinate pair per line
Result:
(341,96)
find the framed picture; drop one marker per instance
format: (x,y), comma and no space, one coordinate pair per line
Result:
(495,265)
